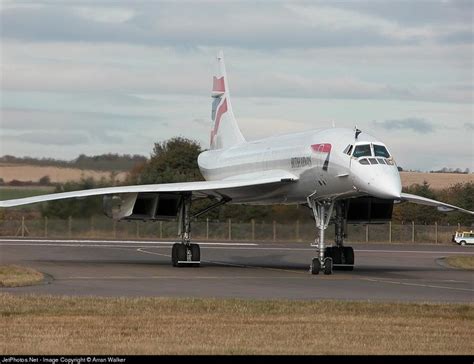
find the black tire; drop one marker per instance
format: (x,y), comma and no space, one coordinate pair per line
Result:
(335,253)
(174,255)
(348,255)
(315,266)
(180,254)
(463,242)
(328,266)
(196,254)
(347,259)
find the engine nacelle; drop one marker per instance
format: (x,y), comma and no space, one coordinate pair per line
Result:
(142,206)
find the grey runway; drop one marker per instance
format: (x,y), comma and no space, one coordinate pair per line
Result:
(382,272)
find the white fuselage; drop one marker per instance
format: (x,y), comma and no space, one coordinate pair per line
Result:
(319,160)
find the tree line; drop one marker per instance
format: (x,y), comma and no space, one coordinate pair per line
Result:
(103,162)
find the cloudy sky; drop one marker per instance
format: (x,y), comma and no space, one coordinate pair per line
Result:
(116,76)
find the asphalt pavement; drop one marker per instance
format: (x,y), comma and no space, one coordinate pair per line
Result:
(383,272)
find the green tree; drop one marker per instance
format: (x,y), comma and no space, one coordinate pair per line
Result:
(173,160)
(419,213)
(462,195)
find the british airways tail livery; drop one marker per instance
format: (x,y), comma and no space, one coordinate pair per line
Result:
(342,175)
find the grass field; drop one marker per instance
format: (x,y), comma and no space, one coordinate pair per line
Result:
(15,276)
(22,172)
(10,192)
(66,325)
(436,181)
(459,261)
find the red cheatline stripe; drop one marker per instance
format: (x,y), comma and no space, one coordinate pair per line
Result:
(321,148)
(220,111)
(218,84)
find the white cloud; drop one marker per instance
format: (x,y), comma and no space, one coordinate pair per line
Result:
(336,19)
(143,69)
(105,14)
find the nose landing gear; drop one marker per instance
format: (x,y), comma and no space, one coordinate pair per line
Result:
(336,257)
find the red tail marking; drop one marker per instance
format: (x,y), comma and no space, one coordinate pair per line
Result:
(220,111)
(321,148)
(218,84)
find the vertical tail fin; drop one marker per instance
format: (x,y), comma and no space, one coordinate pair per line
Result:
(225,132)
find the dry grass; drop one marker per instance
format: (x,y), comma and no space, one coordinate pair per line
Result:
(436,180)
(463,262)
(66,325)
(23,172)
(16,276)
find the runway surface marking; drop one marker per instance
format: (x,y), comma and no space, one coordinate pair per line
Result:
(113,242)
(340,277)
(205,245)
(416,284)
(175,277)
(226,264)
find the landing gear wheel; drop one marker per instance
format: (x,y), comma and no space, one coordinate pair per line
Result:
(335,253)
(178,253)
(174,255)
(348,258)
(315,266)
(328,266)
(195,254)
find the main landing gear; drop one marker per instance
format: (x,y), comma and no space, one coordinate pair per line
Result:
(336,257)
(186,253)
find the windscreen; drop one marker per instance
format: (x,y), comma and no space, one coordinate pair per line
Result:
(381,151)
(362,151)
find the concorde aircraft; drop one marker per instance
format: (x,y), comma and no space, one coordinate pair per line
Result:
(342,175)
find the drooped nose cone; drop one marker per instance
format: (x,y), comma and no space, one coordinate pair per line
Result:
(381,181)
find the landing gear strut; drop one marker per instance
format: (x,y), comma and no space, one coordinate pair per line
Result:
(322,211)
(336,257)
(185,253)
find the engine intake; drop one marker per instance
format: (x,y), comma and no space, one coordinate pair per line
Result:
(142,206)
(369,210)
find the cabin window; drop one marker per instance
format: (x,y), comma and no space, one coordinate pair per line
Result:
(381,151)
(362,151)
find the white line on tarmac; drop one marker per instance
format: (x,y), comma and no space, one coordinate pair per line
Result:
(206,261)
(412,251)
(355,250)
(224,263)
(113,242)
(226,246)
(175,277)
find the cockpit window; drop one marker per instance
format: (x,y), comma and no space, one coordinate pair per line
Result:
(381,151)
(348,149)
(362,151)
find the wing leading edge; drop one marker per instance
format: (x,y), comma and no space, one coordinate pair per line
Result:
(201,188)
(426,201)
